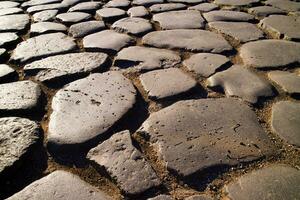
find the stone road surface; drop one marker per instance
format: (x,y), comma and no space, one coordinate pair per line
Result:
(150,99)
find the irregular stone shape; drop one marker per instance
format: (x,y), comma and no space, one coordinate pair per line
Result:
(8,4)
(8,38)
(7,74)
(19,96)
(110,13)
(125,163)
(199,197)
(73,17)
(17,136)
(204,7)
(263,11)
(285,121)
(10,11)
(107,40)
(85,7)
(14,22)
(240,82)
(205,64)
(88,107)
(156,8)
(183,19)
(227,15)
(53,186)
(38,2)
(46,15)
(144,59)
(239,31)
(191,40)
(146,2)
(56,68)
(85,28)
(117,4)
(284,5)
(161,197)
(165,83)
(138,11)
(289,82)
(43,45)
(133,25)
(195,135)
(47,27)
(186,1)
(287,27)
(270,53)
(54,6)
(274,182)
(236,2)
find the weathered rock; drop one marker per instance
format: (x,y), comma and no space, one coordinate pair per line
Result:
(7,74)
(133,25)
(38,2)
(144,59)
(280,26)
(199,197)
(285,121)
(54,185)
(165,83)
(185,19)
(54,6)
(263,11)
(138,11)
(270,53)
(239,31)
(110,14)
(205,64)
(10,11)
(8,4)
(46,15)
(107,40)
(125,163)
(238,81)
(14,22)
(289,82)
(58,68)
(284,5)
(146,2)
(8,38)
(156,8)
(85,28)
(47,27)
(204,7)
(19,96)
(195,135)
(17,136)
(73,17)
(227,15)
(85,7)
(88,107)
(236,2)
(274,182)
(117,4)
(161,197)
(191,40)
(43,45)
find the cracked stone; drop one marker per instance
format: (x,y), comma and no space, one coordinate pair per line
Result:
(46,15)
(8,38)
(204,7)
(10,11)
(110,14)
(82,29)
(263,11)
(138,11)
(7,74)
(73,17)
(16,22)
(133,25)
(227,15)
(289,82)
(47,27)
(85,7)
(157,8)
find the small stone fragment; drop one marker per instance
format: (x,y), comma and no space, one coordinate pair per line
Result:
(82,29)
(227,15)
(46,15)
(133,25)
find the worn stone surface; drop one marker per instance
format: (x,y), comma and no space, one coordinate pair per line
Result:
(270,53)
(85,7)
(46,15)
(17,136)
(191,40)
(205,64)
(53,6)
(157,8)
(86,108)
(57,68)
(272,182)
(236,2)
(165,83)
(285,121)
(8,38)
(16,22)
(263,11)
(47,27)
(43,45)
(85,28)
(7,74)
(133,25)
(185,19)
(238,81)
(8,4)
(53,186)
(191,136)
(138,11)
(19,96)
(289,82)
(73,17)
(110,13)
(204,7)
(284,5)
(161,197)
(10,11)
(227,15)
(117,4)
(125,163)
(38,2)
(146,2)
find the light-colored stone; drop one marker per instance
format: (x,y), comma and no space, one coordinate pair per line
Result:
(82,29)
(227,15)
(289,82)
(133,25)
(16,22)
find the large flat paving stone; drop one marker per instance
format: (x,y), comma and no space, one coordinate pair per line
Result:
(288,6)
(227,15)
(85,7)
(238,81)
(144,58)
(236,2)
(273,182)
(191,40)
(107,40)
(191,136)
(239,31)
(16,22)
(43,45)
(82,29)
(289,82)
(58,68)
(10,11)
(110,14)
(184,19)
(270,53)
(125,163)
(133,25)
(53,186)
(17,136)
(138,11)
(205,64)
(46,27)
(285,121)
(19,96)
(204,7)
(157,8)
(46,15)
(146,2)
(73,17)
(263,11)
(8,38)
(7,74)
(280,26)
(117,4)
(88,107)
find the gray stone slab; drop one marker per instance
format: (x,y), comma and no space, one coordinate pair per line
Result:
(284,5)
(289,82)
(10,11)
(47,15)
(8,38)
(275,182)
(7,74)
(263,11)
(227,15)
(54,6)
(110,14)
(117,4)
(236,2)
(82,29)
(137,11)
(53,186)
(16,22)
(47,27)
(285,121)
(146,2)
(157,8)
(73,17)
(195,135)
(133,25)
(204,7)
(85,7)
(187,1)
(191,40)
(125,163)
(8,4)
